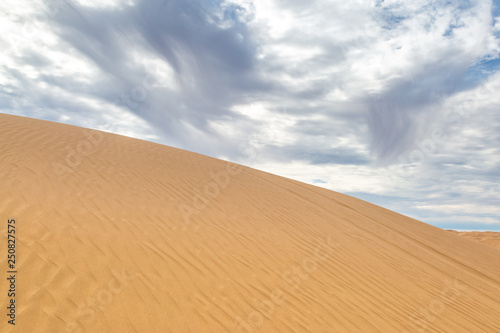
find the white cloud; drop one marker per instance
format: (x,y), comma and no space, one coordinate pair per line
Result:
(330,90)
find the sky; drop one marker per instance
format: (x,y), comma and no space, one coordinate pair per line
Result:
(389,101)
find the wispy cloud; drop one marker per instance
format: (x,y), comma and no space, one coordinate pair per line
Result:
(387,99)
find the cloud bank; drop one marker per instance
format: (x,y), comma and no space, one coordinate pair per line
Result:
(387,100)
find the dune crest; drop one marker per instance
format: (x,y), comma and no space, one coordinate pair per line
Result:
(116,234)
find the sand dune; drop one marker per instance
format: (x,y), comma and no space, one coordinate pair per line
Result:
(486,237)
(121,235)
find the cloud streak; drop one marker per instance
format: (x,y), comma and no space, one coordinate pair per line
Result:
(347,90)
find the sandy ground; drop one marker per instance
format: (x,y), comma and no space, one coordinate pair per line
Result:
(486,237)
(115,234)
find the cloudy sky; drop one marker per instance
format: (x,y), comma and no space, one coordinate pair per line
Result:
(394,102)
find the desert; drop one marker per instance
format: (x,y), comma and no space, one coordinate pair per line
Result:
(133,236)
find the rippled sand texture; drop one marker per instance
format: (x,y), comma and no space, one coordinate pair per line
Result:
(121,235)
(486,237)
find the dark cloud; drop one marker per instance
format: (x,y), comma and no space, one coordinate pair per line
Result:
(210,50)
(397,114)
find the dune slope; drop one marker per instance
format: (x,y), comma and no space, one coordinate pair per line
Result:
(121,235)
(486,237)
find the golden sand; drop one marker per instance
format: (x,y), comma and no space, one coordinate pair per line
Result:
(486,237)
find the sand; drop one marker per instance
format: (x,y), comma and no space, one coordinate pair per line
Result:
(116,234)
(486,237)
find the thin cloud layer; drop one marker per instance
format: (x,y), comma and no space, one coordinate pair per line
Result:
(387,100)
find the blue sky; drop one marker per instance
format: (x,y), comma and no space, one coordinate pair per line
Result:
(393,102)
